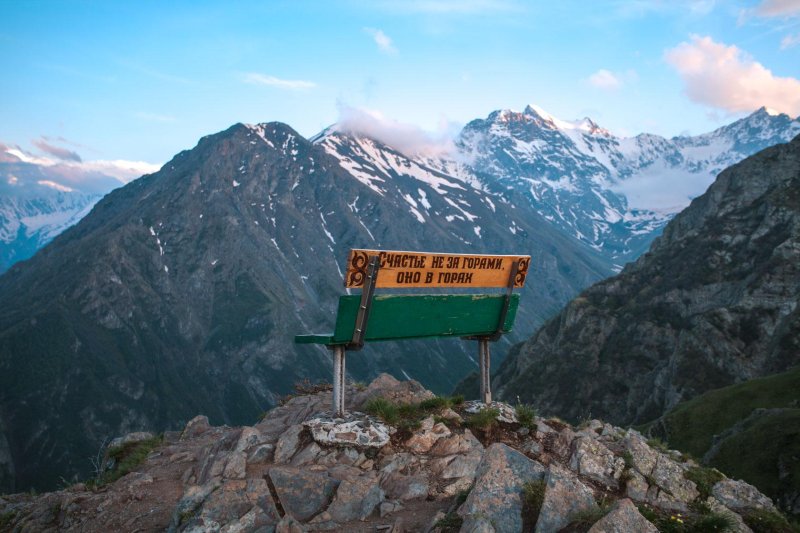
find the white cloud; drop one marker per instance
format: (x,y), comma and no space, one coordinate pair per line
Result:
(790,41)
(408,139)
(727,78)
(56,186)
(271,81)
(778,8)
(383,41)
(605,79)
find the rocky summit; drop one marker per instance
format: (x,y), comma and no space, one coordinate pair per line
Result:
(441,469)
(714,302)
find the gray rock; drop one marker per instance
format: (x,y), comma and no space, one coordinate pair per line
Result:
(388,507)
(302,494)
(196,426)
(236,466)
(405,487)
(477,524)
(193,497)
(740,496)
(594,460)
(456,443)
(636,486)
(738,523)
(426,436)
(499,482)
(356,499)
(643,457)
(669,476)
(564,496)
(261,454)
(250,437)
(306,455)
(287,444)
(353,429)
(624,517)
(136,436)
(289,525)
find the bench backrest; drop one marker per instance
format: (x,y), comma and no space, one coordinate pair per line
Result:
(383,317)
(395,317)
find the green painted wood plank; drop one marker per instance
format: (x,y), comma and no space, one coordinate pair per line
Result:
(395,317)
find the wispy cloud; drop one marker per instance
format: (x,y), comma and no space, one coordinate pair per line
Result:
(271,81)
(604,79)
(727,78)
(406,138)
(154,117)
(56,151)
(789,41)
(777,8)
(383,41)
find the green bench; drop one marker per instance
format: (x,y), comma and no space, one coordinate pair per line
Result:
(387,317)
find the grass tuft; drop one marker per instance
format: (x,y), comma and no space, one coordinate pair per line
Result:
(532,499)
(525,415)
(705,479)
(484,419)
(763,521)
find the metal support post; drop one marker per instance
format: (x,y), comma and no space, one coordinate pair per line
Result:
(485,362)
(338,380)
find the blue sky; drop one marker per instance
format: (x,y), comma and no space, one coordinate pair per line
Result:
(141,81)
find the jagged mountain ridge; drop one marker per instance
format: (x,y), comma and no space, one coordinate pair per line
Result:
(613,194)
(197,277)
(714,302)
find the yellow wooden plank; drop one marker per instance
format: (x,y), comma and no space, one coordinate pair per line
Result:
(399,269)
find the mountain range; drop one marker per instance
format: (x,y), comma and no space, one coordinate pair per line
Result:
(181,291)
(713,302)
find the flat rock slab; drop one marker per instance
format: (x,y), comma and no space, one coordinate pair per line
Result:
(564,497)
(506,412)
(302,494)
(624,517)
(497,495)
(354,429)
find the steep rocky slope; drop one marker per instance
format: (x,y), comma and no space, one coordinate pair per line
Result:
(181,292)
(300,470)
(714,302)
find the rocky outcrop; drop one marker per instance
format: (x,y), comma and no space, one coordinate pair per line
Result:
(714,302)
(499,479)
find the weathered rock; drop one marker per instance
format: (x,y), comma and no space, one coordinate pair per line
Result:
(231,502)
(624,517)
(564,496)
(499,482)
(236,466)
(289,525)
(196,426)
(354,429)
(306,455)
(386,386)
(261,454)
(456,443)
(738,525)
(250,437)
(740,496)
(642,456)
(287,444)
(356,499)
(302,494)
(193,497)
(669,476)
(388,507)
(426,436)
(405,487)
(505,414)
(635,486)
(594,460)
(477,524)
(397,462)
(136,436)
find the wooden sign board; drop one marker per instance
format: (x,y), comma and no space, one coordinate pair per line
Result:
(419,269)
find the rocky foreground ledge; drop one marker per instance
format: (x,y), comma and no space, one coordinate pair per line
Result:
(299,469)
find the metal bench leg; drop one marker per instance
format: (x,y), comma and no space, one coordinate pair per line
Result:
(338,380)
(486,383)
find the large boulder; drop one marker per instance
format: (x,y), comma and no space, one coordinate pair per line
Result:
(499,481)
(564,497)
(624,517)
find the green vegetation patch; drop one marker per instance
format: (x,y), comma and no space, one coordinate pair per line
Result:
(410,415)
(583,520)
(7,518)
(691,426)
(525,415)
(485,419)
(532,499)
(763,521)
(126,458)
(705,479)
(703,522)
(451,523)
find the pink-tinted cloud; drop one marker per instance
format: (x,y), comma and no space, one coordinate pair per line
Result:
(778,8)
(727,78)
(56,151)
